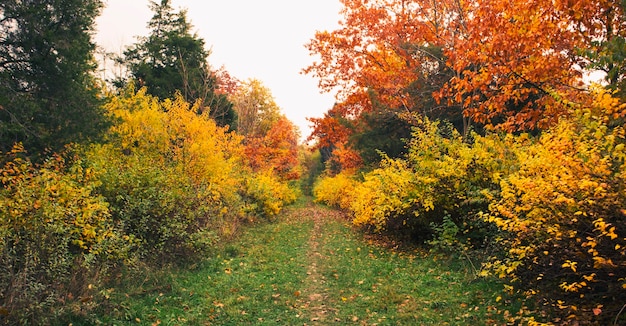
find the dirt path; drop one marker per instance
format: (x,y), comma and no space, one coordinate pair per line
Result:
(314,296)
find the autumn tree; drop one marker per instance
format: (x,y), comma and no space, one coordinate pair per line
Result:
(384,62)
(277,150)
(271,139)
(48,96)
(256,108)
(499,63)
(331,131)
(172,59)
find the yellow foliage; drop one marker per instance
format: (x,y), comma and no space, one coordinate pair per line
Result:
(171,133)
(55,231)
(54,195)
(335,191)
(386,192)
(171,173)
(269,193)
(564,203)
(557,200)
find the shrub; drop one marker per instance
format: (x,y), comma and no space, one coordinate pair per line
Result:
(168,174)
(386,193)
(442,174)
(563,216)
(55,233)
(336,191)
(267,194)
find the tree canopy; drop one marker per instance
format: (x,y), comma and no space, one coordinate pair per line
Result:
(492,64)
(256,108)
(173,59)
(48,96)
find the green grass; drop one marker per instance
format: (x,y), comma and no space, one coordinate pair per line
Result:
(291,272)
(369,284)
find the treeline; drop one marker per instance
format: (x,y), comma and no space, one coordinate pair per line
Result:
(147,169)
(469,127)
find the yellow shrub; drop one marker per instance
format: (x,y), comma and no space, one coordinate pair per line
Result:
(442,175)
(335,191)
(169,172)
(563,214)
(268,193)
(387,192)
(53,230)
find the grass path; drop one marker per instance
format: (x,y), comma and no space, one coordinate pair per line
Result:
(308,268)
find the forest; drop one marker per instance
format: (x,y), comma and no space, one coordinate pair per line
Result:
(490,133)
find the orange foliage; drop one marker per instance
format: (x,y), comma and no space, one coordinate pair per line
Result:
(379,48)
(328,131)
(347,159)
(513,54)
(507,56)
(277,150)
(227,83)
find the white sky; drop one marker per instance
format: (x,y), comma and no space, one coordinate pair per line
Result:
(262,39)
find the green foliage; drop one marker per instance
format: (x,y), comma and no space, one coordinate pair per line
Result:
(312,168)
(446,235)
(381,131)
(48,97)
(172,59)
(609,53)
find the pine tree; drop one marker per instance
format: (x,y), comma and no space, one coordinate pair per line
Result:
(172,59)
(48,96)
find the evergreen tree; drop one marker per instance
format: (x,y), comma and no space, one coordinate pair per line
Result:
(48,96)
(172,59)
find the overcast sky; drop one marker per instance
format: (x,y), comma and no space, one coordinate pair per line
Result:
(262,39)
